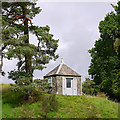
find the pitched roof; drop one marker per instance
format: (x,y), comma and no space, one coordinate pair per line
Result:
(62,70)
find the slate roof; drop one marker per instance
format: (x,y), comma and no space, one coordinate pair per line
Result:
(62,70)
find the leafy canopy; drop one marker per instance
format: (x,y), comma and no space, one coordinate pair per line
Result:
(105,62)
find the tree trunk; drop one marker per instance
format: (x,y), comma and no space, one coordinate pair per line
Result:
(1,58)
(1,64)
(28,65)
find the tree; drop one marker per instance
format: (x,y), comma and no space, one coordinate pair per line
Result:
(117,40)
(105,62)
(1,46)
(16,43)
(117,45)
(88,87)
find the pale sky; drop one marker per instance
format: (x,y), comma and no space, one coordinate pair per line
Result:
(75,24)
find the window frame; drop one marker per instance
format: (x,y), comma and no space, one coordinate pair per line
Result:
(71,79)
(50,81)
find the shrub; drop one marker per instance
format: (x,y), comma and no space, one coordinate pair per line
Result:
(88,87)
(49,103)
(31,90)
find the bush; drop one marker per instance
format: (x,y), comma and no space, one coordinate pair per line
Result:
(88,87)
(49,103)
(31,90)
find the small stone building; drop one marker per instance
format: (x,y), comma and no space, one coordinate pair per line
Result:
(64,80)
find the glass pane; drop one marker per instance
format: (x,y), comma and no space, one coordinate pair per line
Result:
(68,83)
(50,81)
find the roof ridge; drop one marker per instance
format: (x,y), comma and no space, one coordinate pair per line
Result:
(59,68)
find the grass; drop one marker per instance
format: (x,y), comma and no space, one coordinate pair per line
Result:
(68,107)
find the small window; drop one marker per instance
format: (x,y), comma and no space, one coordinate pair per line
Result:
(68,82)
(50,81)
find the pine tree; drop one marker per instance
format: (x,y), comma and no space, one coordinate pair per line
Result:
(16,27)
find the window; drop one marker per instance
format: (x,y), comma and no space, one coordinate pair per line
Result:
(50,81)
(68,82)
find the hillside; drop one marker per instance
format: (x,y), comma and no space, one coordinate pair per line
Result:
(68,107)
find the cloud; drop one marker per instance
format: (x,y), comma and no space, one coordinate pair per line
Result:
(76,27)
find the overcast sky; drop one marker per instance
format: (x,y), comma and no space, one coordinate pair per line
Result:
(76,27)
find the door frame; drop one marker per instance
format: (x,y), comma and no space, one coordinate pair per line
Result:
(72,86)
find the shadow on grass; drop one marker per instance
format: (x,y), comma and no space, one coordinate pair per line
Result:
(14,99)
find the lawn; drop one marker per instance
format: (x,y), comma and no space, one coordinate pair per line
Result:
(68,107)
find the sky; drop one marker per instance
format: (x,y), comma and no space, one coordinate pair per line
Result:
(75,24)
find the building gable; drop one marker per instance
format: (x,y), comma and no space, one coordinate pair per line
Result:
(62,69)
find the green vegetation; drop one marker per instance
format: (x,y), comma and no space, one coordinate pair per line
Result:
(26,98)
(68,107)
(16,44)
(88,87)
(105,62)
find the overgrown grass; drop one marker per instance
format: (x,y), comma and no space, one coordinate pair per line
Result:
(11,98)
(68,107)
(5,86)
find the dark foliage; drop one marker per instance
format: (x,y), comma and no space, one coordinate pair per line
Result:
(105,62)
